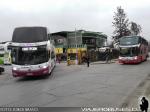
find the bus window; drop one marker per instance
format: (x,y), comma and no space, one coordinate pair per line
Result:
(52,55)
(129,51)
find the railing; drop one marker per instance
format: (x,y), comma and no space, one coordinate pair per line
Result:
(78,46)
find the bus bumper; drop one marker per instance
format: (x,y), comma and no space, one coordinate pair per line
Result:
(19,73)
(128,61)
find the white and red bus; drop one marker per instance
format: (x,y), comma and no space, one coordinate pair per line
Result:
(133,49)
(31,52)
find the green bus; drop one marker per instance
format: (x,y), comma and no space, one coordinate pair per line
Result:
(2,54)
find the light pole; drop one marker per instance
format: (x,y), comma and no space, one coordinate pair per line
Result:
(76,47)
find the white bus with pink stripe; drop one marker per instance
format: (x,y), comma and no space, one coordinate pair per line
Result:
(32,53)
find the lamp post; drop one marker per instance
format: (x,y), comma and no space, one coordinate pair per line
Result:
(76,47)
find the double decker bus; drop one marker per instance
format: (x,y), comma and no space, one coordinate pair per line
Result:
(133,49)
(31,52)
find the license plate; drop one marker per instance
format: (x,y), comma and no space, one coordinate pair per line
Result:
(129,58)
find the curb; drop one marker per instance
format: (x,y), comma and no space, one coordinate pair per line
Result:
(103,62)
(134,99)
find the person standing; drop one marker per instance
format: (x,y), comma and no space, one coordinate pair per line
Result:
(58,59)
(88,61)
(144,105)
(108,55)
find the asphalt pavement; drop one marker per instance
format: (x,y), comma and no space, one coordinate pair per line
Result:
(100,85)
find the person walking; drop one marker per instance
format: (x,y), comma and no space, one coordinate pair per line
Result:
(88,61)
(144,105)
(108,55)
(58,59)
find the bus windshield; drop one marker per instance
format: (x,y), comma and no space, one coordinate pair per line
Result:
(129,40)
(29,55)
(132,51)
(29,34)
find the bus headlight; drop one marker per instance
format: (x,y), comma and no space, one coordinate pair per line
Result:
(15,68)
(135,58)
(45,66)
(120,58)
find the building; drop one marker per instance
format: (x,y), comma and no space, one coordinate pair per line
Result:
(78,43)
(60,41)
(90,40)
(93,40)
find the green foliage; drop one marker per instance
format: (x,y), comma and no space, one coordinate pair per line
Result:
(135,29)
(120,24)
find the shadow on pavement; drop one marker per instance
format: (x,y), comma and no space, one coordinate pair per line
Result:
(34,78)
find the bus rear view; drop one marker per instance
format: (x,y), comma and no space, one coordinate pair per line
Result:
(32,54)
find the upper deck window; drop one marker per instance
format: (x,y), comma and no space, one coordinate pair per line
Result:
(129,40)
(30,34)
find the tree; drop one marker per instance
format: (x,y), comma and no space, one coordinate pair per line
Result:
(135,29)
(120,24)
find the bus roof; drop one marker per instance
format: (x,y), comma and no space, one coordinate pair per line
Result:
(29,34)
(133,36)
(130,36)
(132,41)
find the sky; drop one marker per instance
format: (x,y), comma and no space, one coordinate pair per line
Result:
(68,15)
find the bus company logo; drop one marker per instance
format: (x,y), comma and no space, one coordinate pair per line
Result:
(28,44)
(26,67)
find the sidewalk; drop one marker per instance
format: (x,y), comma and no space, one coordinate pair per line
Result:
(92,63)
(134,99)
(104,62)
